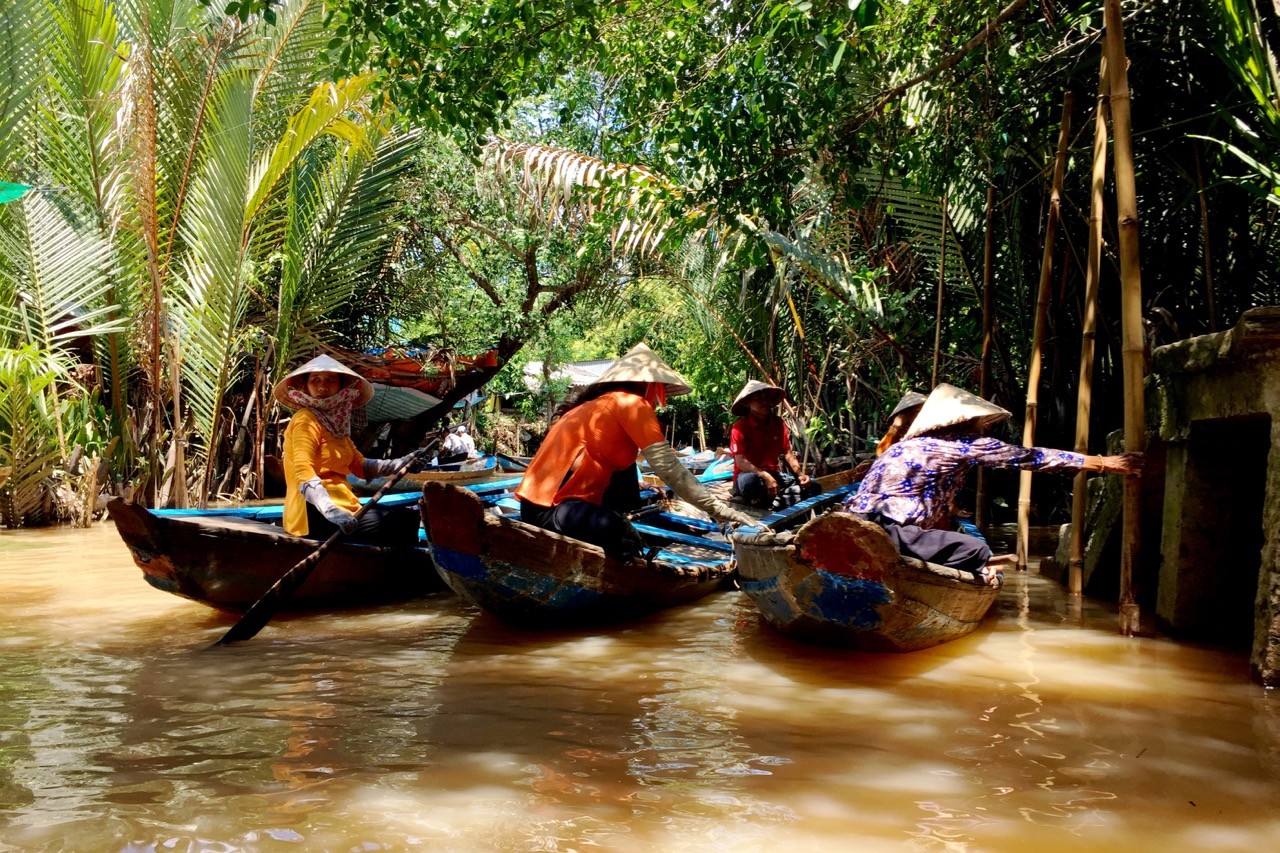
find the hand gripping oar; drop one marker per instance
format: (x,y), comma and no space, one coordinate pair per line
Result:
(257,616)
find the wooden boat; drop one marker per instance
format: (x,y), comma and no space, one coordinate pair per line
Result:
(228,558)
(840,581)
(531,576)
(470,471)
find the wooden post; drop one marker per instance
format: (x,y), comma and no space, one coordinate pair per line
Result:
(988,331)
(1132,350)
(1088,332)
(1042,314)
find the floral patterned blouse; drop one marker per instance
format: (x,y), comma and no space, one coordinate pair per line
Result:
(915,481)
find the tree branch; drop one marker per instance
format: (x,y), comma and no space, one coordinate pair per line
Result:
(481,282)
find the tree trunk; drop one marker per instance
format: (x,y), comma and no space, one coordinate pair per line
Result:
(1088,331)
(1037,341)
(1131,313)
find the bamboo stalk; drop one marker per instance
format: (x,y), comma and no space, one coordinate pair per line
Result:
(1088,331)
(1132,350)
(1042,315)
(988,332)
(942,261)
(1204,229)
(942,274)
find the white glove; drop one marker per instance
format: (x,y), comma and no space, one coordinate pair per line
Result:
(318,496)
(662,459)
(374,468)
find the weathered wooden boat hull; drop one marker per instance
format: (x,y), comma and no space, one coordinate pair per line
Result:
(529,576)
(228,562)
(841,582)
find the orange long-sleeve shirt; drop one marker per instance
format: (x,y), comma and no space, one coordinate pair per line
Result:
(310,450)
(593,441)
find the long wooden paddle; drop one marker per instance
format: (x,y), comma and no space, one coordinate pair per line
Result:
(257,616)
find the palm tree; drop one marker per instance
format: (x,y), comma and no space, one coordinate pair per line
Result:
(210,197)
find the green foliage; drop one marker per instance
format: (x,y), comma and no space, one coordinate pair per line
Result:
(28,433)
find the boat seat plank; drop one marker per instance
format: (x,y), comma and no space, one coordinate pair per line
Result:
(664,535)
(818,502)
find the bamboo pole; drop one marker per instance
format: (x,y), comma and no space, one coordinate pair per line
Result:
(1131,311)
(988,332)
(942,260)
(1204,230)
(1042,315)
(1088,331)
(942,274)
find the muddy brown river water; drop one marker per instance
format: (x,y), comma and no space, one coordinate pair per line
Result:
(427,725)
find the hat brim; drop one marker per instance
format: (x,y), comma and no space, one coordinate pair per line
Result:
(641,364)
(321,364)
(743,406)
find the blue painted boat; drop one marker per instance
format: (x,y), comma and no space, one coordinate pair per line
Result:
(840,581)
(530,576)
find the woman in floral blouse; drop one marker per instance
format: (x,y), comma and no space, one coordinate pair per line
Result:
(910,488)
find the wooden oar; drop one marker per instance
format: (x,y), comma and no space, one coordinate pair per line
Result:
(257,616)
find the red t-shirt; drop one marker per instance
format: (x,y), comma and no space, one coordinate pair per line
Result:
(593,441)
(762,445)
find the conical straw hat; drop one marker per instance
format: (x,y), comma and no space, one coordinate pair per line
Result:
(321,364)
(948,406)
(642,364)
(752,388)
(910,400)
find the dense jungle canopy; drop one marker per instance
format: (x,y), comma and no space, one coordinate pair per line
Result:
(757,189)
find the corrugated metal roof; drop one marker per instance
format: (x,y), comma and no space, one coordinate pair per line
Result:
(391,403)
(579,373)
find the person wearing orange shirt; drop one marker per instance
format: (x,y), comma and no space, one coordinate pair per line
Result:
(319,454)
(575,484)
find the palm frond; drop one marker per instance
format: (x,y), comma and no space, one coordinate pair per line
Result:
(28,443)
(337,234)
(209,310)
(25,32)
(327,112)
(564,186)
(56,268)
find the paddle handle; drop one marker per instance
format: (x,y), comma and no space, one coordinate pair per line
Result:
(257,616)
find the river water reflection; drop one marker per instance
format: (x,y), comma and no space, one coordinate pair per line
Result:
(429,725)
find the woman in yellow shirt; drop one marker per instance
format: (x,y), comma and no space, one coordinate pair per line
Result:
(319,454)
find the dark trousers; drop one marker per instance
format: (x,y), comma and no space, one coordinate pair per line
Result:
(587,522)
(944,547)
(750,487)
(397,526)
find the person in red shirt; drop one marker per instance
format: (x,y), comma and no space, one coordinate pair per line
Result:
(584,475)
(758,440)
